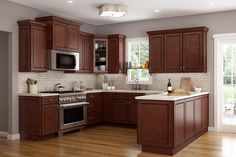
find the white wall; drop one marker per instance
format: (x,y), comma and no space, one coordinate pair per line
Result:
(10,13)
(217,22)
(4,81)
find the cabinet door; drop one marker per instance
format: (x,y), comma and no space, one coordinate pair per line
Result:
(197,115)
(193,52)
(81,52)
(30,115)
(113,55)
(189,118)
(60,36)
(106,107)
(205,113)
(173,52)
(39,49)
(50,120)
(119,110)
(156,53)
(179,124)
(88,54)
(73,38)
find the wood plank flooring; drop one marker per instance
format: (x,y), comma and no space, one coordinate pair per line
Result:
(108,141)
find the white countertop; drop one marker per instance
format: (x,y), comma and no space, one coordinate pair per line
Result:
(38,94)
(147,92)
(162,97)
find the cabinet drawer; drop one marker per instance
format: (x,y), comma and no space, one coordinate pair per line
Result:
(92,96)
(50,100)
(91,117)
(91,107)
(133,95)
(119,95)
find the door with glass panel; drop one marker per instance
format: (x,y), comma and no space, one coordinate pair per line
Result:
(227,119)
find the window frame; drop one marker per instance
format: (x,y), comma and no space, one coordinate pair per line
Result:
(128,57)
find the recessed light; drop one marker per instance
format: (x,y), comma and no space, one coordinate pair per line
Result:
(70,1)
(156,11)
(212,4)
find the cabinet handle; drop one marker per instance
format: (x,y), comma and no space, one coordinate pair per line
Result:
(183,67)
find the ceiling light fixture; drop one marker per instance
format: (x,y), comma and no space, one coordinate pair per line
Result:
(112,10)
(156,11)
(212,4)
(70,1)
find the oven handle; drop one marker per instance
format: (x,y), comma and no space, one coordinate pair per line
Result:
(74,104)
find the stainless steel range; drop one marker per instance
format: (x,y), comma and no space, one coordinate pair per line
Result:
(73,111)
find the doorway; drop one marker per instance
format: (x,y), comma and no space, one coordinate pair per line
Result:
(225,82)
(4,84)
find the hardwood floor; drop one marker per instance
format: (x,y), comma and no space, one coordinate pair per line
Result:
(108,141)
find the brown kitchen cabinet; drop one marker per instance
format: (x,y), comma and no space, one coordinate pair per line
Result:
(120,107)
(32,46)
(178,50)
(156,49)
(94,108)
(39,116)
(116,53)
(86,52)
(63,34)
(171,125)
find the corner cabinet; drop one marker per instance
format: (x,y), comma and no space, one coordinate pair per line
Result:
(116,53)
(32,46)
(86,52)
(178,50)
(63,34)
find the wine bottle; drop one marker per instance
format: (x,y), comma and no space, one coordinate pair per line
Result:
(169,87)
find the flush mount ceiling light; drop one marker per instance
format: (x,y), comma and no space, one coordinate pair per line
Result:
(112,10)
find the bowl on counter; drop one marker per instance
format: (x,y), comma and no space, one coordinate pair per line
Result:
(196,89)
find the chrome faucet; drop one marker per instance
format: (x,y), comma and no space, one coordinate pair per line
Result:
(59,87)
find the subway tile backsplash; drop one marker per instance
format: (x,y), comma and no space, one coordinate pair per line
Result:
(46,81)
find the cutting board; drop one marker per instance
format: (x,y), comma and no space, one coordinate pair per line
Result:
(186,84)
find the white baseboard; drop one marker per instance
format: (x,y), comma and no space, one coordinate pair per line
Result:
(211,129)
(3,134)
(13,137)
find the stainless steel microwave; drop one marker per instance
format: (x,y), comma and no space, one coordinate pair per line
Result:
(61,60)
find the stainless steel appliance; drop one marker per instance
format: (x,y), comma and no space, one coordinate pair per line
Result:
(73,111)
(60,60)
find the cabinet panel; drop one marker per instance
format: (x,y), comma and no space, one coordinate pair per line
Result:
(60,36)
(155,129)
(198,115)
(113,55)
(119,110)
(106,107)
(50,119)
(88,54)
(205,113)
(94,111)
(179,126)
(173,52)
(73,38)
(193,52)
(189,119)
(116,51)
(156,43)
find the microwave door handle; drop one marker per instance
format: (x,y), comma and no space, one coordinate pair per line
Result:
(74,61)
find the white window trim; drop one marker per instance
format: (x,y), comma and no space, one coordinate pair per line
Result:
(128,57)
(218,79)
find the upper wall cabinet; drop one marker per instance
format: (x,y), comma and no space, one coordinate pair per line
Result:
(63,34)
(178,50)
(116,53)
(86,52)
(32,46)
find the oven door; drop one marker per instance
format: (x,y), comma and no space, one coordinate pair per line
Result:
(73,115)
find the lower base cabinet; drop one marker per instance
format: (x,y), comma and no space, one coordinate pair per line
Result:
(171,125)
(120,107)
(39,116)
(94,110)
